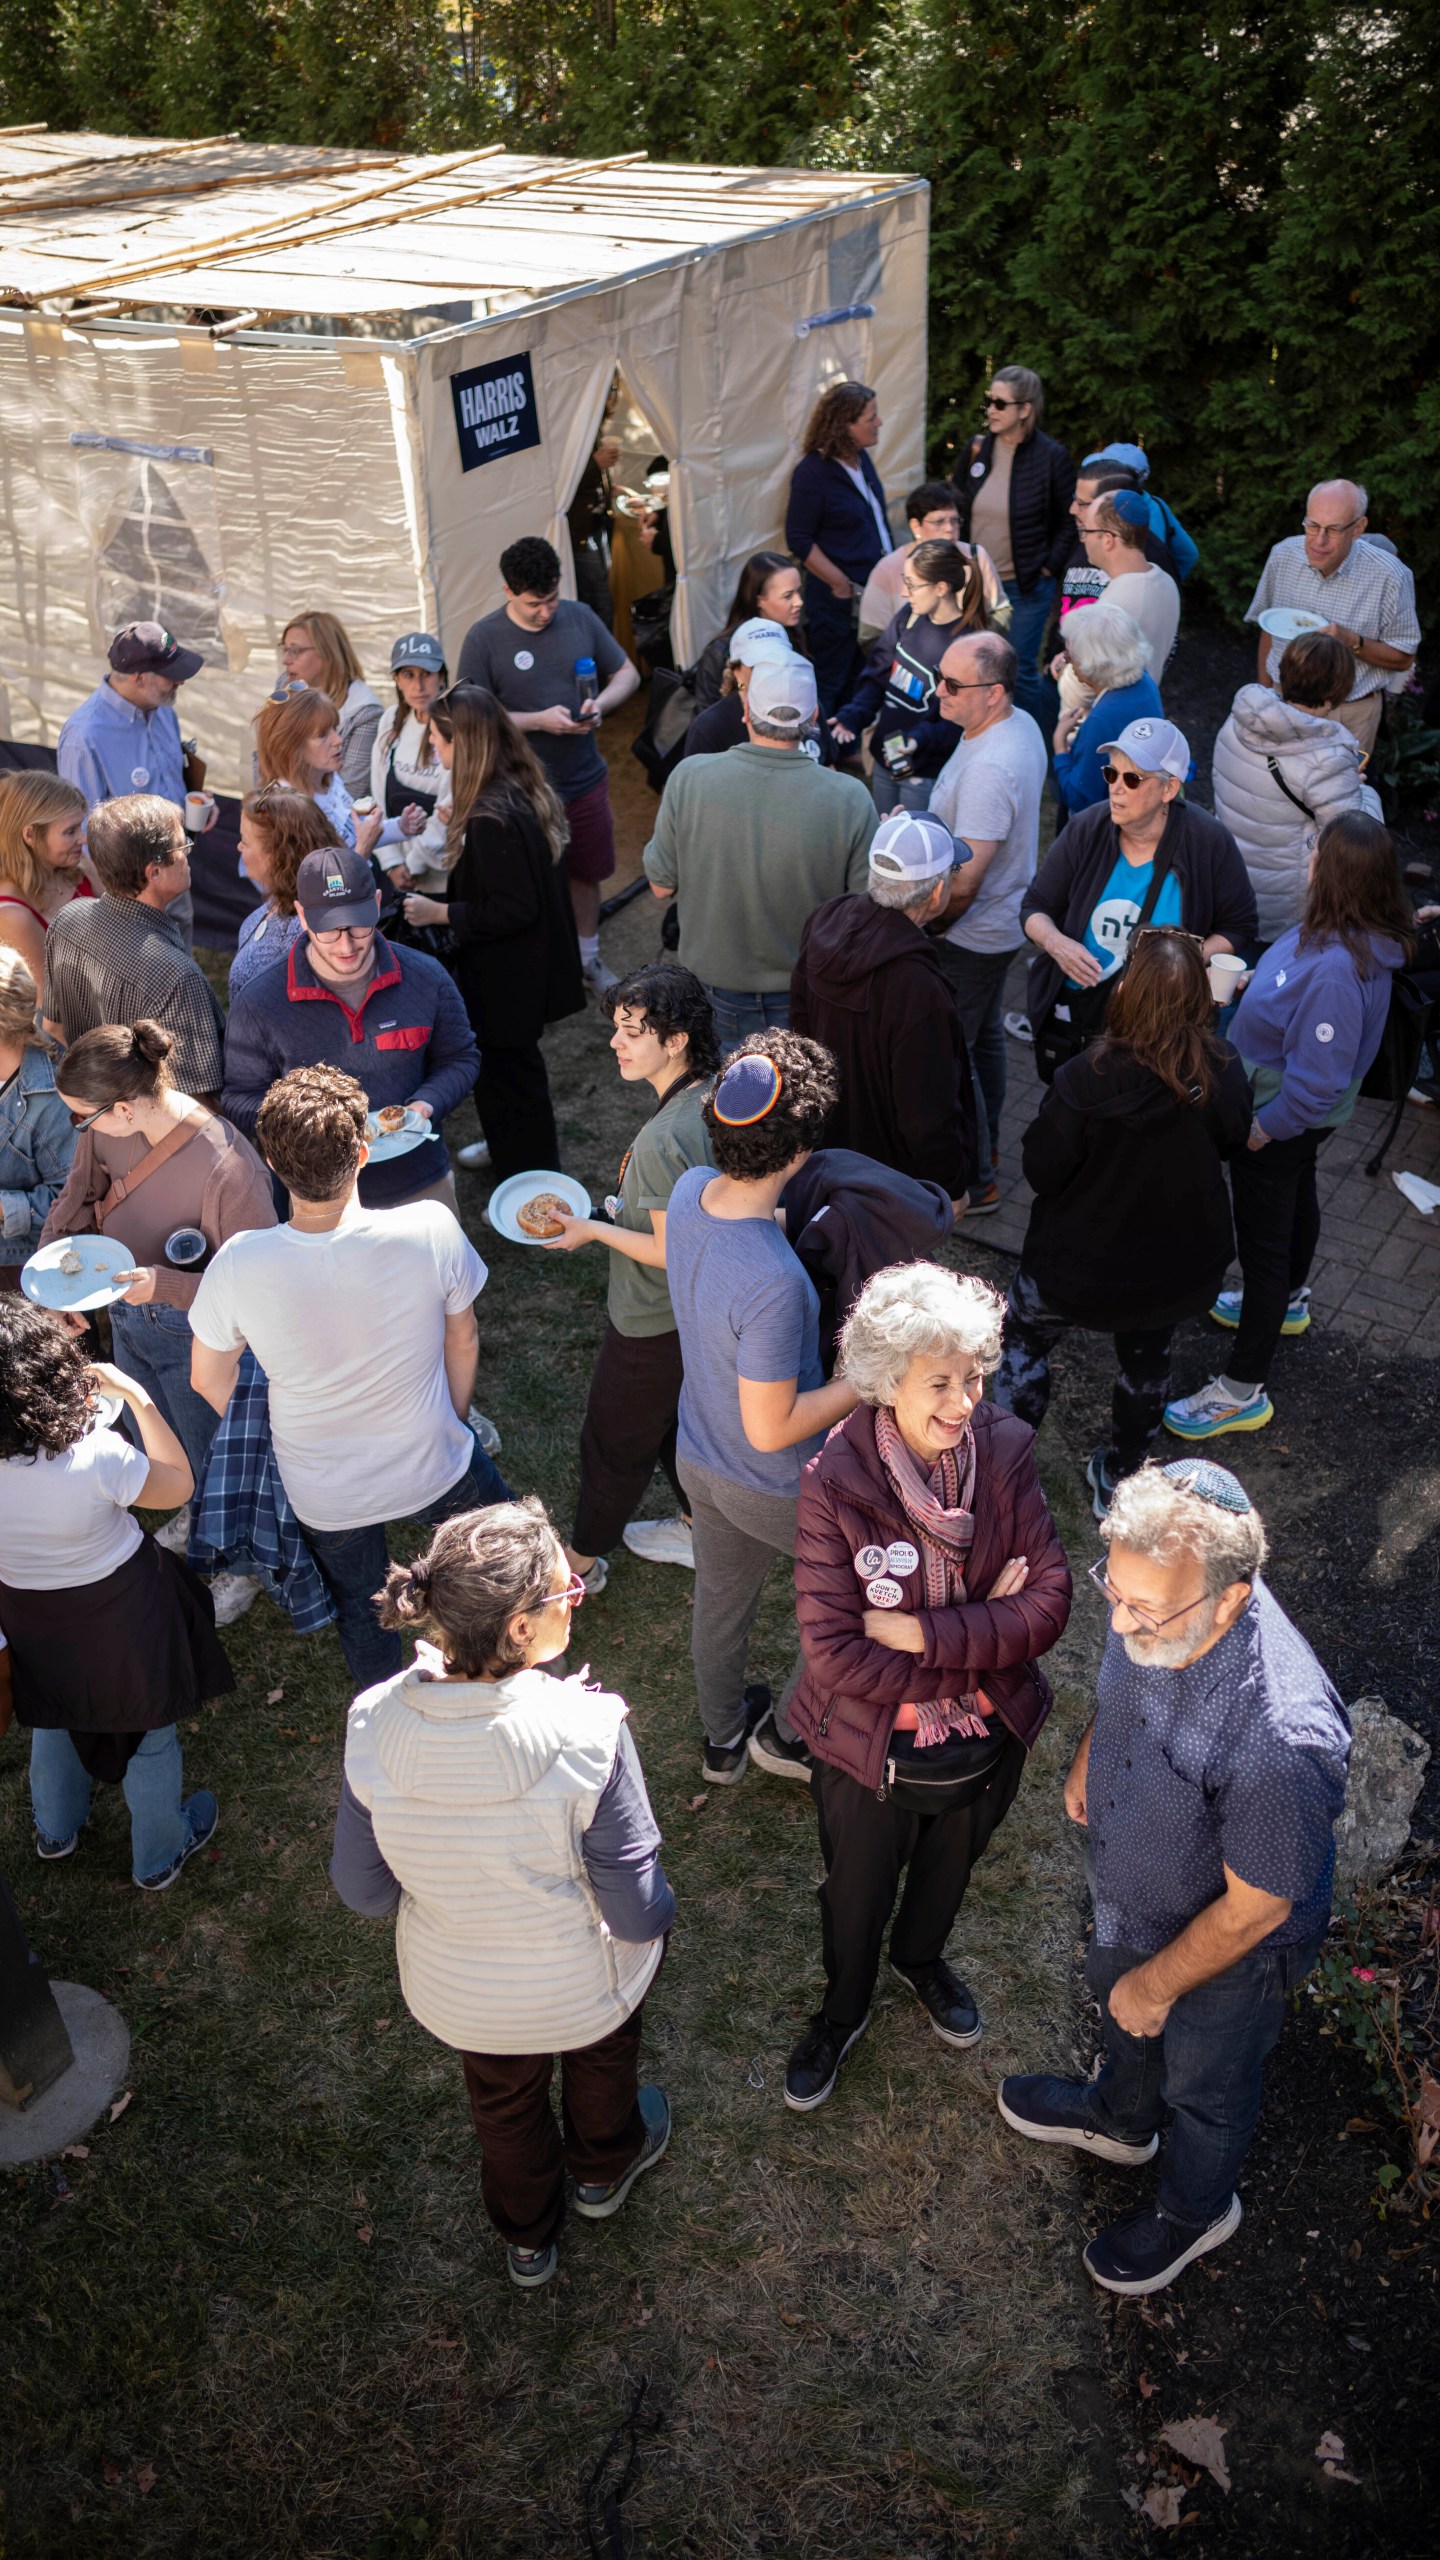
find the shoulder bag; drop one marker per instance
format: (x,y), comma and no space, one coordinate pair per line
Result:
(1075,1018)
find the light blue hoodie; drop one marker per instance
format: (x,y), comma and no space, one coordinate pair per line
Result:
(1308,1028)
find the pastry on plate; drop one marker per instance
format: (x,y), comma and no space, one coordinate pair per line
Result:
(391,1119)
(545,1215)
(71,1264)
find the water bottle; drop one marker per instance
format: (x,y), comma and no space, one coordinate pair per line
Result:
(587,687)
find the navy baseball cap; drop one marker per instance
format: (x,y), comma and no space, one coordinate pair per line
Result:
(148,649)
(336,887)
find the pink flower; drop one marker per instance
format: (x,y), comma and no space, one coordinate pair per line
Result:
(1363,1972)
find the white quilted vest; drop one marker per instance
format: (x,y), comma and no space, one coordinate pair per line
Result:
(480,1794)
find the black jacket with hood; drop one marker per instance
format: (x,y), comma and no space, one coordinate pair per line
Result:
(848,1217)
(1131,1225)
(869,986)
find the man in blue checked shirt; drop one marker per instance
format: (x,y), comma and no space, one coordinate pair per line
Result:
(125,736)
(1208,1781)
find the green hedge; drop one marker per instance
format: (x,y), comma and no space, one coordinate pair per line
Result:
(1216,230)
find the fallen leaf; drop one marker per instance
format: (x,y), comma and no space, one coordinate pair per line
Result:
(380,2025)
(76,2151)
(1162,2504)
(1200,2441)
(274,1698)
(365,2235)
(1333,2471)
(112,2473)
(697,1804)
(1148,2388)
(145,2480)
(1330,2448)
(121,2104)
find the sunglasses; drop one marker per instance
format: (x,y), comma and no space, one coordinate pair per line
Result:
(1174,932)
(1132,781)
(962,684)
(993,403)
(83,1120)
(572,1595)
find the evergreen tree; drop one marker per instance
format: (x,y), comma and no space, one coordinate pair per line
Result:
(34,72)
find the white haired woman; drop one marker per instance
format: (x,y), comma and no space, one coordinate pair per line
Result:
(1105,683)
(929,1579)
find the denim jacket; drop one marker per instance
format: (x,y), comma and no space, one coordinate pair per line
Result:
(36,1145)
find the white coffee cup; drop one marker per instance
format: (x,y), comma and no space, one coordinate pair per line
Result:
(1226,969)
(198,805)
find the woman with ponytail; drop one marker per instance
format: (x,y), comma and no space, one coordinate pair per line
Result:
(170,1180)
(501,1816)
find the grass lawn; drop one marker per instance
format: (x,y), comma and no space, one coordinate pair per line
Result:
(266,2316)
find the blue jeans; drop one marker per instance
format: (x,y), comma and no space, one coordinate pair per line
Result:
(1206,2067)
(1029,621)
(889,794)
(60,1795)
(153,1345)
(977,980)
(738,1013)
(353,1561)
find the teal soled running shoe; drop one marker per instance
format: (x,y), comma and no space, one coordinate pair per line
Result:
(1226,1311)
(1212,1409)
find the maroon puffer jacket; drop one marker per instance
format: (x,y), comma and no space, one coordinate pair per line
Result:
(851,1690)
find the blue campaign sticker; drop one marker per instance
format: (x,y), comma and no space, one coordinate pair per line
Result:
(495,410)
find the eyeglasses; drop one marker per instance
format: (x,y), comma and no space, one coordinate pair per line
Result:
(961,684)
(83,1120)
(343,933)
(1311,524)
(1117,773)
(1144,1618)
(572,1595)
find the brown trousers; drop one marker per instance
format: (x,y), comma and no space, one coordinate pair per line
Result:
(522,2156)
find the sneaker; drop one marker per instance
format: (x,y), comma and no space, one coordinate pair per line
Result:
(597,977)
(948,2002)
(1145,2251)
(202,1813)
(1212,1409)
(475,1157)
(1045,2109)
(725,1763)
(596,1579)
(984,1199)
(1226,1311)
(531,2267)
(782,1759)
(49,1849)
(814,2066)
(661,1541)
(175,1536)
(1018,1026)
(1101,1481)
(598,2203)
(232,1594)
(485,1431)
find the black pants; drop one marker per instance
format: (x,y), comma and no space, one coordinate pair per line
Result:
(1277,1227)
(940,1831)
(512,1096)
(523,2152)
(629,1431)
(1142,1372)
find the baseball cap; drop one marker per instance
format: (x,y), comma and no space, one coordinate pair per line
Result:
(148,649)
(911,844)
(1134,457)
(418,649)
(335,887)
(757,639)
(1155,746)
(782,691)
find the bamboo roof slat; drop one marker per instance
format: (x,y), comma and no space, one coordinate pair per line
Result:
(185,186)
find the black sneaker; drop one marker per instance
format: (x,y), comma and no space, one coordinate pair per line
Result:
(531,2267)
(782,1759)
(45,1848)
(948,2001)
(814,2066)
(1046,2109)
(984,1198)
(598,2203)
(1102,1481)
(1145,2251)
(725,1763)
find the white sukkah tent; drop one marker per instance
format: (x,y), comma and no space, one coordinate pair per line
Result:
(240,379)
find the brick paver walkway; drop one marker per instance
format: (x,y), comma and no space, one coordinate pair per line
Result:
(1377,1274)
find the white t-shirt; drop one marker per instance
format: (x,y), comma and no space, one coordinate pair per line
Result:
(1151,597)
(66,1521)
(349,1328)
(990,793)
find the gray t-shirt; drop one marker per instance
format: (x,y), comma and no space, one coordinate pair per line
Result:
(990,793)
(667,1146)
(746,1308)
(533,670)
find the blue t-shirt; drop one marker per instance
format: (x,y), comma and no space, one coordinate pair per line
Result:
(1237,1760)
(745,1308)
(1116,911)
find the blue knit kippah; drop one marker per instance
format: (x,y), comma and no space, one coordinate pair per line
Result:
(1212,1483)
(748,1089)
(1129,506)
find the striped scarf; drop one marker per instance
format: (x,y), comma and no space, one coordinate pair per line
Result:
(940,1509)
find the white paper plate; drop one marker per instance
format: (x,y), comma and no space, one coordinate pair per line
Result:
(512,1195)
(1287,621)
(385,1144)
(74,1293)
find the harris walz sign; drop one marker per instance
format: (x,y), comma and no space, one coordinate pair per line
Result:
(495,410)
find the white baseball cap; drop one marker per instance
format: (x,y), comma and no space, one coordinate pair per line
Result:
(912,845)
(757,639)
(1155,746)
(782,692)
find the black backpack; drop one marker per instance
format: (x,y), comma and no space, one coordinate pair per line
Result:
(1396,1062)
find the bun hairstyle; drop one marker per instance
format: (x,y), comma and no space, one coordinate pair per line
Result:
(118,1062)
(479,1571)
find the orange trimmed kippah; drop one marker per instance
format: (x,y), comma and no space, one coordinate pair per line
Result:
(748,1089)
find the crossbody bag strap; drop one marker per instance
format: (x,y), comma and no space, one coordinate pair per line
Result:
(1278,778)
(125,1185)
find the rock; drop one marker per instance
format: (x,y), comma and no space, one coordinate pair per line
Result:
(1388,1761)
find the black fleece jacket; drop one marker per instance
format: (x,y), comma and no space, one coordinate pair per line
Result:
(1042,484)
(868,985)
(1215,891)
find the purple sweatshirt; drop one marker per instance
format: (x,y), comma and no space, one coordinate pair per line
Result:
(1308,1028)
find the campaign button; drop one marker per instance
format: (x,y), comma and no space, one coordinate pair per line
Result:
(901,1557)
(869,1561)
(884,1595)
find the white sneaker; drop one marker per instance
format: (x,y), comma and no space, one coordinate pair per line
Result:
(596,1579)
(1212,1409)
(232,1594)
(485,1431)
(175,1536)
(661,1541)
(597,977)
(475,1157)
(1018,1026)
